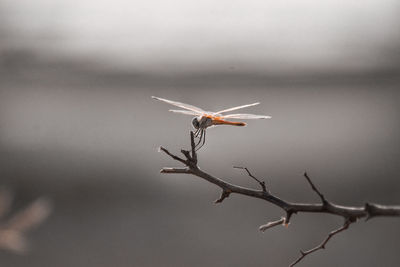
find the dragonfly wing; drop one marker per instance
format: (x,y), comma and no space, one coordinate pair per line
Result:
(181,105)
(186,112)
(245,116)
(238,107)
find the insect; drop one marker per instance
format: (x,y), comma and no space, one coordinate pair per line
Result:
(205,119)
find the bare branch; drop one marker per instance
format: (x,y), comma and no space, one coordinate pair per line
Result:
(172,156)
(15,227)
(6,198)
(350,213)
(174,170)
(322,245)
(193,145)
(289,214)
(224,194)
(265,227)
(315,188)
(262,183)
(31,216)
(374,210)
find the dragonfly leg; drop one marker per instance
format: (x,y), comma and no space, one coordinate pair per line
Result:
(200,138)
(204,140)
(199,131)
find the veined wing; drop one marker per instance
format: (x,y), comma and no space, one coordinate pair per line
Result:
(181,105)
(186,112)
(238,107)
(245,116)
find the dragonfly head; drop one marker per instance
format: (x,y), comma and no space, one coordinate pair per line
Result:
(195,123)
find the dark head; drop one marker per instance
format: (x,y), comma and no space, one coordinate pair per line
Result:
(195,123)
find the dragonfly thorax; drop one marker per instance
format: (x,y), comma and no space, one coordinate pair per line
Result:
(202,122)
(205,122)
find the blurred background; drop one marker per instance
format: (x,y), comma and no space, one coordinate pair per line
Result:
(78,126)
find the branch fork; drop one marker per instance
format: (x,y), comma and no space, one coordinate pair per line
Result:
(350,214)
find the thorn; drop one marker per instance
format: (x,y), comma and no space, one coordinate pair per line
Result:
(224,195)
(289,214)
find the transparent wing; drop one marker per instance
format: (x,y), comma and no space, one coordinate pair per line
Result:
(179,104)
(245,116)
(186,112)
(238,107)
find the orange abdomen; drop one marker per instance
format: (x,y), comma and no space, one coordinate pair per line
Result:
(223,122)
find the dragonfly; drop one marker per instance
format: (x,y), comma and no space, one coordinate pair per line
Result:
(206,119)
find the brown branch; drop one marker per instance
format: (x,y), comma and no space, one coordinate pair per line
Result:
(322,245)
(224,194)
(265,227)
(315,188)
(13,228)
(349,213)
(193,145)
(172,155)
(174,170)
(262,183)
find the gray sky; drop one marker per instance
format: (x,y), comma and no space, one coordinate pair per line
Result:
(271,35)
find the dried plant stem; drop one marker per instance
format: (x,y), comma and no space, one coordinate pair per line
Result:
(350,213)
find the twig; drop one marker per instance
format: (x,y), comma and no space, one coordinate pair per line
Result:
(172,156)
(13,228)
(350,213)
(224,194)
(315,188)
(193,145)
(322,245)
(265,227)
(262,183)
